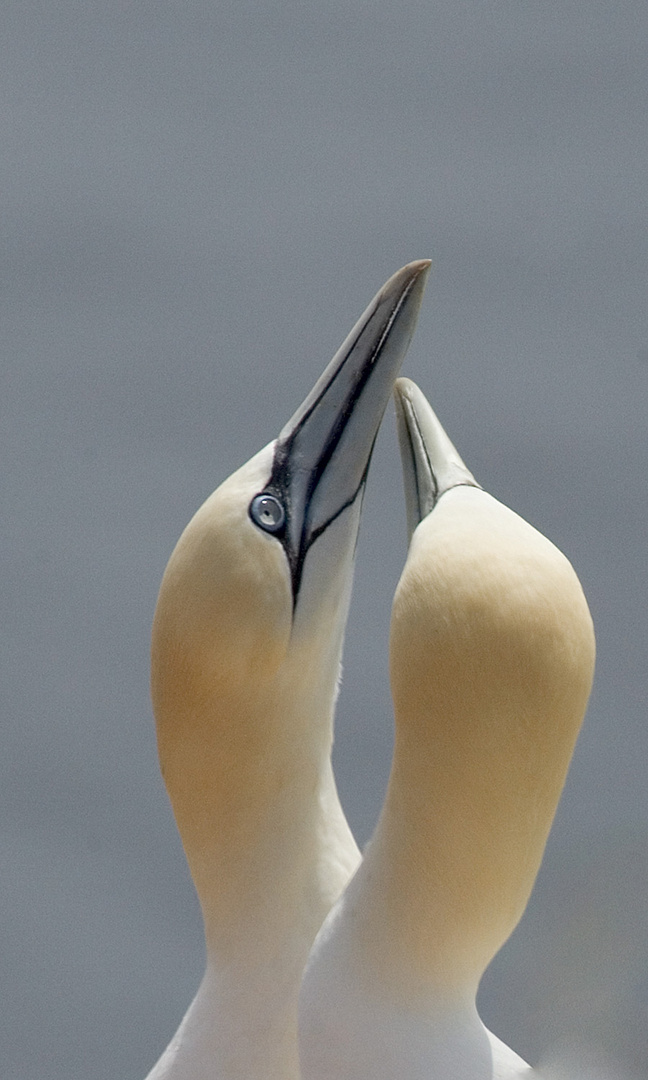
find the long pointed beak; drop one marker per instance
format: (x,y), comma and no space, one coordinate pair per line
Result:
(322,455)
(431,464)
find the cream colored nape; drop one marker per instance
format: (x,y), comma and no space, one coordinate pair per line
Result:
(243,699)
(224,610)
(241,691)
(492,655)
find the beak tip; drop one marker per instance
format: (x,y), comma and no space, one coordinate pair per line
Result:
(431,464)
(417,266)
(411,277)
(406,390)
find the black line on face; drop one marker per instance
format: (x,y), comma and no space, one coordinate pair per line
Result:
(281,479)
(279,485)
(414,424)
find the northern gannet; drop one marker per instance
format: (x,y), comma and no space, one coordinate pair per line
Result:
(247,640)
(491,663)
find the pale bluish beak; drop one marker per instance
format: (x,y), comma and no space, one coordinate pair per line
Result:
(322,455)
(431,464)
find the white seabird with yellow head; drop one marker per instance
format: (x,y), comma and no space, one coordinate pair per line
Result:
(491,662)
(247,641)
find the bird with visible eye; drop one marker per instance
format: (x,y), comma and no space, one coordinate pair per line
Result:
(247,642)
(267,512)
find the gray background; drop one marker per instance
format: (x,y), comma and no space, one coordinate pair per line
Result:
(198,200)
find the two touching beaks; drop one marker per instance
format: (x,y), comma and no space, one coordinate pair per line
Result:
(431,464)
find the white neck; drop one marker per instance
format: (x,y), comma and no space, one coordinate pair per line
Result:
(229,1032)
(242,1024)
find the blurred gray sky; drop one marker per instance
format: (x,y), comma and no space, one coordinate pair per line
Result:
(198,200)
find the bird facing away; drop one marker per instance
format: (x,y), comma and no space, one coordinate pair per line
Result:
(491,663)
(247,641)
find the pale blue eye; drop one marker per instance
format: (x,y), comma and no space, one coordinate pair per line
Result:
(267,512)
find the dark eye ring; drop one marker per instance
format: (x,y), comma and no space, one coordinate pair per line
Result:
(267,512)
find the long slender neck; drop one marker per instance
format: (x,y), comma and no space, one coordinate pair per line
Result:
(249,776)
(453,860)
(260,921)
(487,712)
(393,977)
(491,666)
